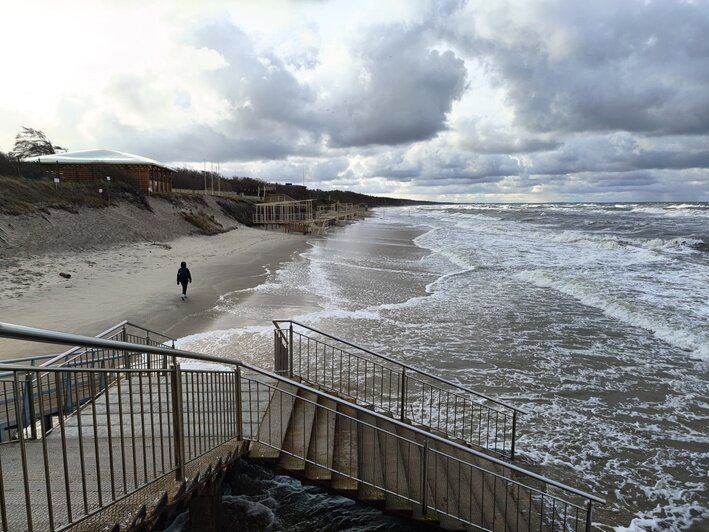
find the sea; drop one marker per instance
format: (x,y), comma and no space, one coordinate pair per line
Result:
(593,318)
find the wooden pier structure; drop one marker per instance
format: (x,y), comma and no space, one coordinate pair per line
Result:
(298,215)
(122,429)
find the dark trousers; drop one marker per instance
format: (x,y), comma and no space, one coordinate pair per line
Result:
(184,287)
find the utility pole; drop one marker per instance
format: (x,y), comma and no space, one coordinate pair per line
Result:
(204,171)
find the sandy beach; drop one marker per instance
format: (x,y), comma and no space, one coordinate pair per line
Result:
(136,282)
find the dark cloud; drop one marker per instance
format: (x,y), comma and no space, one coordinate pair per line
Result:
(406,90)
(605,99)
(632,65)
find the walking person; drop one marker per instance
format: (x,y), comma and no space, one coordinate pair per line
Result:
(184,277)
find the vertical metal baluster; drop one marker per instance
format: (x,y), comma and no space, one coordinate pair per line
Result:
(202,404)
(152,423)
(177,422)
(403,394)
(519,510)
(514,428)
(576,519)
(507,496)
(129,377)
(189,426)
(589,510)
(381,386)
(192,425)
(92,388)
(487,430)
(349,374)
(214,425)
(19,420)
(224,407)
(141,391)
(218,402)
(29,400)
(106,393)
(45,455)
(3,509)
(461,513)
(454,432)
(365,380)
(122,432)
(250,392)
(239,411)
(430,407)
(480,425)
(424,475)
(62,431)
(167,375)
(204,412)
(201,414)
(290,351)
(82,461)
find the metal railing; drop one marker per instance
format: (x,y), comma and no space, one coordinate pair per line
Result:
(387,460)
(92,436)
(85,357)
(413,395)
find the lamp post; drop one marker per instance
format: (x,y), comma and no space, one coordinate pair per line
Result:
(108,188)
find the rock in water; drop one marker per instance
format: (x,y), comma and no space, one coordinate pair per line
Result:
(65,275)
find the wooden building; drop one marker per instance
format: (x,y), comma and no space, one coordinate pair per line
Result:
(91,166)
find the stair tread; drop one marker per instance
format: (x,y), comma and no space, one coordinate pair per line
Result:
(299,433)
(393,451)
(273,425)
(346,455)
(370,465)
(322,442)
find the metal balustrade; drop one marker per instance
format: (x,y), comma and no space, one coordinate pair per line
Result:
(413,395)
(83,438)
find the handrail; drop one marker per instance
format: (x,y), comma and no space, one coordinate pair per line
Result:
(55,357)
(33,334)
(415,430)
(403,365)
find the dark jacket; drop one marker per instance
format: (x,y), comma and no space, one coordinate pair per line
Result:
(183,275)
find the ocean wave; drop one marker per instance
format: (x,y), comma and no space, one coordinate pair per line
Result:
(675,334)
(614,242)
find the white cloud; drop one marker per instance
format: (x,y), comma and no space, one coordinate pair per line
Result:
(510,100)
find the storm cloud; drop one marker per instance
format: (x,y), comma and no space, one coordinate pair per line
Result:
(515,100)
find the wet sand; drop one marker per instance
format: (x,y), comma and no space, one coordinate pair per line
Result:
(137,282)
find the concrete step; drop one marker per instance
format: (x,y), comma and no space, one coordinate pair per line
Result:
(482,498)
(411,453)
(299,433)
(273,427)
(394,469)
(370,461)
(322,443)
(346,453)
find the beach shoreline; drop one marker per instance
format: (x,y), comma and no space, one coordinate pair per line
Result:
(137,282)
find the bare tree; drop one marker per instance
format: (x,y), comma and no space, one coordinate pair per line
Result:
(32,142)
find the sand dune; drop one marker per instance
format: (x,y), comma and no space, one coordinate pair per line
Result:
(135,282)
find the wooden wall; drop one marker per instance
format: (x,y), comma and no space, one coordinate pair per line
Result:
(148,178)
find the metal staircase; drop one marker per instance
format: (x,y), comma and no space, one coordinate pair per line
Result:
(119,420)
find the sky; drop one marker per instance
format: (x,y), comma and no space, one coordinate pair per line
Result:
(450,100)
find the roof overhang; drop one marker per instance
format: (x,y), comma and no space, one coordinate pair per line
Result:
(96,157)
